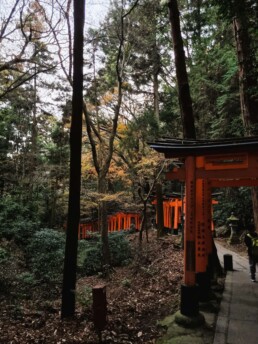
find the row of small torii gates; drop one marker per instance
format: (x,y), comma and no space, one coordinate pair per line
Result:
(204,165)
(173,209)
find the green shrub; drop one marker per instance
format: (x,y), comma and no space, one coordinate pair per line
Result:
(237,200)
(22,231)
(26,278)
(17,221)
(82,251)
(90,253)
(26,281)
(126,283)
(8,270)
(93,258)
(3,255)
(46,255)
(84,297)
(120,250)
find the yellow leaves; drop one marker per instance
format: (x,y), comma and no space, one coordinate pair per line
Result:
(107,98)
(92,199)
(86,165)
(121,127)
(149,163)
(116,171)
(86,204)
(120,173)
(112,197)
(110,95)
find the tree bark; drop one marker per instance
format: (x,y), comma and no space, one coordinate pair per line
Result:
(160,213)
(248,82)
(156,70)
(144,220)
(185,100)
(70,264)
(156,95)
(102,189)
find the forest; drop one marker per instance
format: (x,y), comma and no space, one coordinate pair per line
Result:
(80,104)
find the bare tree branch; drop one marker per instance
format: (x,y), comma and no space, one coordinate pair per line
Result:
(131,9)
(2,32)
(23,79)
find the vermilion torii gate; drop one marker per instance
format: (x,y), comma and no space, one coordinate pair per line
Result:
(204,165)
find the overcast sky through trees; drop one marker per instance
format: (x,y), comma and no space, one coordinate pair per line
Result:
(95,11)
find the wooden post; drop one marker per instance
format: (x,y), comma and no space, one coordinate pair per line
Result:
(176,217)
(125,221)
(165,214)
(84,231)
(99,307)
(119,222)
(129,221)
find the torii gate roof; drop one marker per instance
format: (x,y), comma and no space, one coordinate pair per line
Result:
(174,147)
(228,162)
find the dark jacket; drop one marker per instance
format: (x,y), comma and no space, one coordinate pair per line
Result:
(248,241)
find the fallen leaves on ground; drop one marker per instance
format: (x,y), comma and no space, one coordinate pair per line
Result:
(138,295)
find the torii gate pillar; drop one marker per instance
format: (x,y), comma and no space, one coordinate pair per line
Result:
(197,238)
(189,305)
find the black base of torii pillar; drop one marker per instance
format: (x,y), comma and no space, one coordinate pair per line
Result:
(189,305)
(189,315)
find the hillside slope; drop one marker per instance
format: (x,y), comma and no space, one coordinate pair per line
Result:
(138,295)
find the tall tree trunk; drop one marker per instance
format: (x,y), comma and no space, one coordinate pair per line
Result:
(185,100)
(248,83)
(156,69)
(144,220)
(69,278)
(160,212)
(102,189)
(156,95)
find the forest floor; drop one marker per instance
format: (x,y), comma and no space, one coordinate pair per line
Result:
(138,296)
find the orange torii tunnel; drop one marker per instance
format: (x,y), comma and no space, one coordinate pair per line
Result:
(173,210)
(123,221)
(203,165)
(116,222)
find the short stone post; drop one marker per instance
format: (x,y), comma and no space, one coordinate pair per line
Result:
(228,262)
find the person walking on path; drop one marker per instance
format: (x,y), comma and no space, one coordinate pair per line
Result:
(251,238)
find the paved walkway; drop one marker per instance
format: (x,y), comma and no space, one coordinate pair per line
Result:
(237,321)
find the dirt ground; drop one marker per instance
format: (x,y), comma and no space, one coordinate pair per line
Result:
(138,295)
